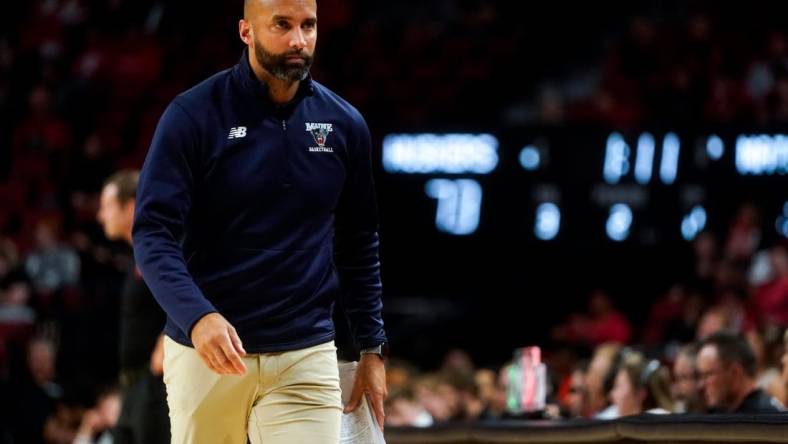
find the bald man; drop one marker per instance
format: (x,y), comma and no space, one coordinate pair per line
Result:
(255,213)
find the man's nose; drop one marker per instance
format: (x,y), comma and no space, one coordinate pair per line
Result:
(298,40)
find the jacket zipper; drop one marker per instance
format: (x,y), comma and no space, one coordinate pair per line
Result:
(287,179)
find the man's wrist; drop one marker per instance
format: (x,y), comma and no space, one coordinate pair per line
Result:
(381,350)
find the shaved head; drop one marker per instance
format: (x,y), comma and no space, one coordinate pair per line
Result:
(253,7)
(249,6)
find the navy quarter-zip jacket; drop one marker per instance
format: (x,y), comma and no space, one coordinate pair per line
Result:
(263,213)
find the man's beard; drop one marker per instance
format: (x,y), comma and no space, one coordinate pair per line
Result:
(278,66)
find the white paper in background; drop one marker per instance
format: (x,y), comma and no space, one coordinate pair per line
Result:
(359,426)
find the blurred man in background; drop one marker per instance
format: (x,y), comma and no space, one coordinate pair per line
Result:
(726,369)
(143,418)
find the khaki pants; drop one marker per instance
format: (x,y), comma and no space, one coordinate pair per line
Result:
(285,397)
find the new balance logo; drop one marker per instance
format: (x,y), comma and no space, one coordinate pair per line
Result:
(237,132)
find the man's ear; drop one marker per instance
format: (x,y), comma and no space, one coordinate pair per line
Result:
(245,31)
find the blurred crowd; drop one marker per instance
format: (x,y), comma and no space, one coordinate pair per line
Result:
(714,343)
(699,66)
(83,83)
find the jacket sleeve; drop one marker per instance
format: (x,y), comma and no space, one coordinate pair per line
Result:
(164,198)
(356,243)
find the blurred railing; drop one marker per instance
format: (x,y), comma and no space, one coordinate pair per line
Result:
(674,429)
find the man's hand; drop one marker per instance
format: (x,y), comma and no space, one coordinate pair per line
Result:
(371,380)
(157,357)
(218,344)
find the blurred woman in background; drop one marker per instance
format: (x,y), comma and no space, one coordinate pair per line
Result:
(641,386)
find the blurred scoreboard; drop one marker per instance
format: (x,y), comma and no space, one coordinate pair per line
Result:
(582,185)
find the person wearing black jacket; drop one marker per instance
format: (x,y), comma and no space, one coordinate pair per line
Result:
(726,371)
(255,213)
(144,415)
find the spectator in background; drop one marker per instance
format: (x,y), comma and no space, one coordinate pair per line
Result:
(491,391)
(744,234)
(686,397)
(402,409)
(599,381)
(36,397)
(472,407)
(668,318)
(42,131)
(14,299)
(714,320)
(726,368)
(771,297)
(98,421)
(674,317)
(782,389)
(17,319)
(577,399)
(457,360)
(602,323)
(439,397)
(9,257)
(605,322)
(63,424)
(399,374)
(41,359)
(765,343)
(144,418)
(732,301)
(641,386)
(52,265)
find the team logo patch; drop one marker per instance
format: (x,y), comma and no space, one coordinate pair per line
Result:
(320,133)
